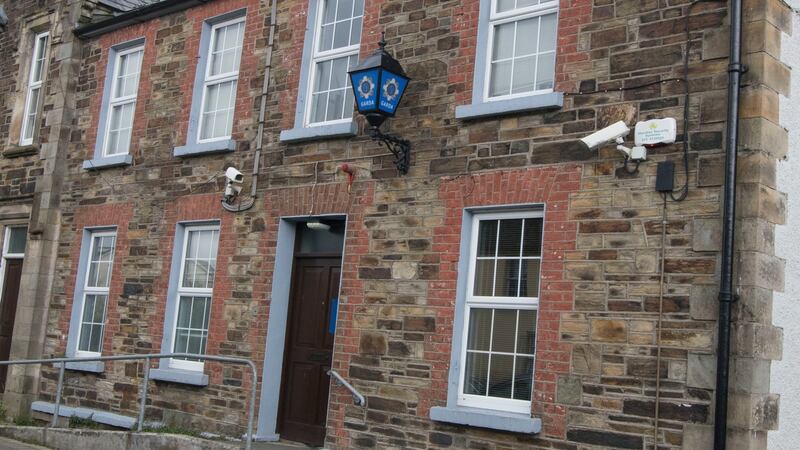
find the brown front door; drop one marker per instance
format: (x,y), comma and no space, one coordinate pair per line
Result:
(309,348)
(8,309)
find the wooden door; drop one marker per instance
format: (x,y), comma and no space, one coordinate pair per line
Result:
(309,349)
(8,309)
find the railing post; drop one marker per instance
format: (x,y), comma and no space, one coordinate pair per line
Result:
(144,393)
(58,394)
(251,410)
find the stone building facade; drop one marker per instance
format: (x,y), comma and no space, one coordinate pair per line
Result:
(614,333)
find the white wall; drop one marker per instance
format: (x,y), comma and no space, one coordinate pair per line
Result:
(786,307)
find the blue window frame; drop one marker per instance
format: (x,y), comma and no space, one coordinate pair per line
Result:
(331,46)
(90,301)
(118,107)
(212,113)
(189,299)
(514,58)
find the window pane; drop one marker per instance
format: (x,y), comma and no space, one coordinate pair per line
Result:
(504,334)
(181,341)
(526,3)
(319,102)
(545,72)
(200,312)
(533,238)
(547,34)
(500,375)
(184,311)
(527,35)
(523,377)
(33,106)
(355,35)
(530,278)
(86,335)
(326,38)
(17,238)
(189,270)
(329,11)
(194,344)
(487,237)
(98,315)
(503,45)
(505,5)
(358,8)
(500,79)
(507,278)
(480,328)
(38,60)
(103,275)
(323,76)
(526,335)
(510,237)
(335,106)
(345,9)
(339,73)
(524,74)
(484,273)
(88,308)
(97,336)
(341,34)
(475,373)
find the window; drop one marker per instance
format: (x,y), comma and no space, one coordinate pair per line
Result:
(221,76)
(515,58)
(195,285)
(95,293)
(336,44)
(522,50)
(15,240)
(501,310)
(34,89)
(331,46)
(122,101)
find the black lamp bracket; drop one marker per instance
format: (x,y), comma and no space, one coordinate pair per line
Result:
(400,148)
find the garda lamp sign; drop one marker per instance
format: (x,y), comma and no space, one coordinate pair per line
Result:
(379,83)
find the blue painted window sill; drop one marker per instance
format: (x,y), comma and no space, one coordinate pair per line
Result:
(104,417)
(191,377)
(485,418)
(552,100)
(204,148)
(86,366)
(105,162)
(297,134)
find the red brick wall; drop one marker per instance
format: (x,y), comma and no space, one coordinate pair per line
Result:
(111,215)
(571,15)
(551,186)
(189,209)
(154,34)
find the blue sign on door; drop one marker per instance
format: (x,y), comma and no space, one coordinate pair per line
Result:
(334,313)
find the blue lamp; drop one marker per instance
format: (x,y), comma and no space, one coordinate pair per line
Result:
(379,83)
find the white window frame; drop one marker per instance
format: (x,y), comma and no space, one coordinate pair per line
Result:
(209,80)
(318,57)
(486,302)
(515,15)
(39,40)
(7,241)
(120,101)
(184,291)
(92,290)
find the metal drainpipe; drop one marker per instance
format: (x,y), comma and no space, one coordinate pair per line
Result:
(726,296)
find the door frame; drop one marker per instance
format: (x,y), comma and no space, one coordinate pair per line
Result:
(277,323)
(4,255)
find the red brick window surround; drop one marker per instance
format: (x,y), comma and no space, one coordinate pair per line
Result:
(513,54)
(98,250)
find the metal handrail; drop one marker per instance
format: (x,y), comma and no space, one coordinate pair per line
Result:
(62,364)
(358,399)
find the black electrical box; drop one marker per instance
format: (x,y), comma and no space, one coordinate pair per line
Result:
(665,176)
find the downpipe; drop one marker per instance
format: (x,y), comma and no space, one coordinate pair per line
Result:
(726,293)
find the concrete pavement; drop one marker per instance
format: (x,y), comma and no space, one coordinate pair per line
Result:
(10,444)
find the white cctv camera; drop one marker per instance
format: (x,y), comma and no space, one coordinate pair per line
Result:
(613,132)
(234,175)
